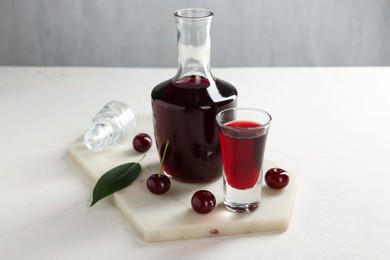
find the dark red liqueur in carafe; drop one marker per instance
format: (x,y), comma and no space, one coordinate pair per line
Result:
(184,113)
(184,107)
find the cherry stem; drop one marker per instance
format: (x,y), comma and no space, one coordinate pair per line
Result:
(163,158)
(142,158)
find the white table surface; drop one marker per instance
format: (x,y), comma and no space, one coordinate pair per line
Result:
(330,125)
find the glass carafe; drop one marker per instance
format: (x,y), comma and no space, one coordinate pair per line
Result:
(185,106)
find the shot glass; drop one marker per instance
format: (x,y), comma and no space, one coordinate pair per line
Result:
(243,134)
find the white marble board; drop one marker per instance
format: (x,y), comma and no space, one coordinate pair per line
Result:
(170,216)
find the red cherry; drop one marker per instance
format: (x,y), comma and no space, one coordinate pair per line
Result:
(142,142)
(203,201)
(276,178)
(158,183)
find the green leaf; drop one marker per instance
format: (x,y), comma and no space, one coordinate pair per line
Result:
(114,180)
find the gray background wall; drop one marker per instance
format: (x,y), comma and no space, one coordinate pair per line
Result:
(142,33)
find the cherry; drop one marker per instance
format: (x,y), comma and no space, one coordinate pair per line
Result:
(142,142)
(158,183)
(203,201)
(276,178)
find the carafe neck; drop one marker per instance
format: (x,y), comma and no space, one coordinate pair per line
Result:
(193,42)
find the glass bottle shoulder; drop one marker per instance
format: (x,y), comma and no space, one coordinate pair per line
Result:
(194,92)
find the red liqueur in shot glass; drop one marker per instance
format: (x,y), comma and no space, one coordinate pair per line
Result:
(243,134)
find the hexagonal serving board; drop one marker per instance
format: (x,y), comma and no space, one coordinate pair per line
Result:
(170,216)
